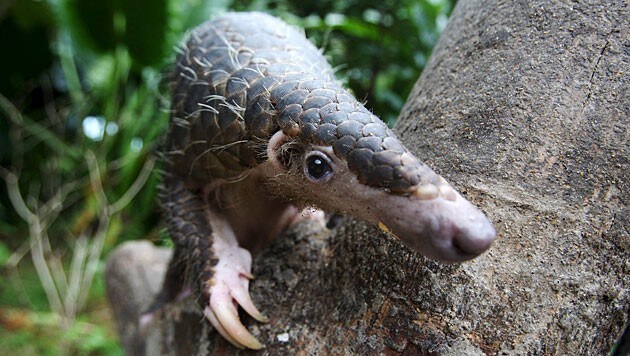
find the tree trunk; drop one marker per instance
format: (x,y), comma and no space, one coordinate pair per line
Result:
(524,108)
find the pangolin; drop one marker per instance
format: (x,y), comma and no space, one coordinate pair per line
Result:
(259,126)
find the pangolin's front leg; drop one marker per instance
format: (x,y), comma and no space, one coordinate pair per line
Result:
(213,264)
(229,285)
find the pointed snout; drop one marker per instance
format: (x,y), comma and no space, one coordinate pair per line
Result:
(447,228)
(474,242)
(462,236)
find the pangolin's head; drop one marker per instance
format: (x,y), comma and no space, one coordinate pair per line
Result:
(336,155)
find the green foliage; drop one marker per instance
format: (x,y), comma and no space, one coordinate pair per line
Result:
(145,39)
(38,334)
(93,23)
(148,29)
(83,104)
(27,327)
(4,254)
(91,338)
(25,31)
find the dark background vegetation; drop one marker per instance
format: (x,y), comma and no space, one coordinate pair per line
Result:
(83,104)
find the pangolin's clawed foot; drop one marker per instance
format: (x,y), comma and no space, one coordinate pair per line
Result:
(228,289)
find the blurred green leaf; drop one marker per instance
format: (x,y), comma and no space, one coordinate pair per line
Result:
(32,13)
(26,290)
(25,37)
(145,30)
(92,339)
(92,23)
(5,253)
(186,14)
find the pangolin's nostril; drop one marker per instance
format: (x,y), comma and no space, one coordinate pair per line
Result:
(474,243)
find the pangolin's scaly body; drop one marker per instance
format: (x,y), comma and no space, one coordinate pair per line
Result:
(258,124)
(243,77)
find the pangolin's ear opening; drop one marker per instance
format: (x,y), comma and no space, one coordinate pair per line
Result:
(282,151)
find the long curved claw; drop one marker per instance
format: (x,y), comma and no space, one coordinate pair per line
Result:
(228,319)
(209,314)
(228,289)
(243,298)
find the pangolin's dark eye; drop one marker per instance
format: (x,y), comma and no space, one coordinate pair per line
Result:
(317,167)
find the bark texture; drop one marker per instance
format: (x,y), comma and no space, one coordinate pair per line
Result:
(524,108)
